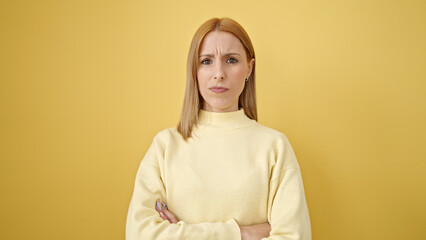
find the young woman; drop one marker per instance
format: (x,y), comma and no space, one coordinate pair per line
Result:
(219,174)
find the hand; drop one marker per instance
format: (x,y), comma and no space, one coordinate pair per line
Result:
(165,214)
(255,232)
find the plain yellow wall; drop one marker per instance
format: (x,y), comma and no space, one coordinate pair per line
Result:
(85,85)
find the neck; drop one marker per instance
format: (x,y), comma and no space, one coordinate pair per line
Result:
(207,107)
(230,120)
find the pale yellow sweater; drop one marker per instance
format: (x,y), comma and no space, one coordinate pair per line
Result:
(233,171)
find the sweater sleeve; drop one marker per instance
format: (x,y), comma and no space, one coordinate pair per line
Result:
(287,208)
(144,222)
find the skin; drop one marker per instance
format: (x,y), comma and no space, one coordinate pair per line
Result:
(223,62)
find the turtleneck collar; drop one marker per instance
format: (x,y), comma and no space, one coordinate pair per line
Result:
(235,119)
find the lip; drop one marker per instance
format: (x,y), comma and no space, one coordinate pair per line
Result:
(218,89)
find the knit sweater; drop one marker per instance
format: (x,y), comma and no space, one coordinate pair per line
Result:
(232,172)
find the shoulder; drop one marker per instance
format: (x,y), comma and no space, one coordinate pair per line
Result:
(271,133)
(282,148)
(167,135)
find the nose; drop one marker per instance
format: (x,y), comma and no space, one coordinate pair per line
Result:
(218,71)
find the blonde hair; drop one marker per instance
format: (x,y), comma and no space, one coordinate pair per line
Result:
(193,101)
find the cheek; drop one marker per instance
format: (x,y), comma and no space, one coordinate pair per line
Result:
(201,75)
(240,72)
(238,76)
(239,87)
(202,81)
(201,78)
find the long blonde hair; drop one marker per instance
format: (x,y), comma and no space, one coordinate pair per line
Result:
(193,100)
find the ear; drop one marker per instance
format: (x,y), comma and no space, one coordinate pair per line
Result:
(250,66)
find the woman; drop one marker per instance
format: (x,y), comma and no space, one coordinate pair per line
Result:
(221,173)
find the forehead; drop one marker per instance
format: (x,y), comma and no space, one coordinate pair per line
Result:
(221,41)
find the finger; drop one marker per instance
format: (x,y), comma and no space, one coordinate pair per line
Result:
(170,216)
(163,216)
(164,205)
(157,207)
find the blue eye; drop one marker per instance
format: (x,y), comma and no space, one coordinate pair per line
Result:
(232,60)
(206,61)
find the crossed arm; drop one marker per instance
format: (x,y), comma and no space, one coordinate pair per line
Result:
(252,232)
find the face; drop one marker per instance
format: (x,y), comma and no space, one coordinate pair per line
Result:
(222,70)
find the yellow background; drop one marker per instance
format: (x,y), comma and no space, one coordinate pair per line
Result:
(85,85)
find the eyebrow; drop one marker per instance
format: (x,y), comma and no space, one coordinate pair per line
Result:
(211,55)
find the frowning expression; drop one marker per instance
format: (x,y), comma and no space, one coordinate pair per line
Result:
(222,70)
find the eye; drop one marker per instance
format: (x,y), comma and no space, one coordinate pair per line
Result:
(206,61)
(232,60)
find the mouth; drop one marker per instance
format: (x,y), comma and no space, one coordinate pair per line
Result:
(218,89)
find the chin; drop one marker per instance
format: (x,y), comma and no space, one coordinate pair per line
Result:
(219,104)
